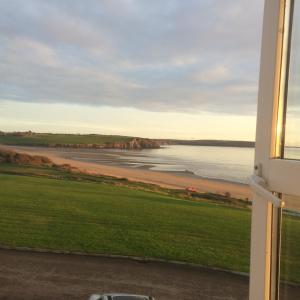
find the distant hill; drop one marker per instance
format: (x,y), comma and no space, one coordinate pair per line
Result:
(217,143)
(96,141)
(29,138)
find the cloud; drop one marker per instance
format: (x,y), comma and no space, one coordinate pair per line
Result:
(33,53)
(155,55)
(214,75)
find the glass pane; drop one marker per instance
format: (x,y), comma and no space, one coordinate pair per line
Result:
(292,132)
(290,252)
(121,135)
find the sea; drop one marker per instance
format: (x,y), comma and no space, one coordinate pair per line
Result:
(223,163)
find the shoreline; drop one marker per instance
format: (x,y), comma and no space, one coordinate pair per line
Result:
(167,179)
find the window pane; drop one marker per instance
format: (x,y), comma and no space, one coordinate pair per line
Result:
(124,131)
(290,252)
(292,133)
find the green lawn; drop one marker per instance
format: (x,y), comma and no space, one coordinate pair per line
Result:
(44,139)
(290,259)
(100,217)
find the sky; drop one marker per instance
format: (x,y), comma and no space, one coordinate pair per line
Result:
(292,128)
(159,68)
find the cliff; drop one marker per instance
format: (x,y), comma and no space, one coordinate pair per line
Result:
(134,144)
(97,141)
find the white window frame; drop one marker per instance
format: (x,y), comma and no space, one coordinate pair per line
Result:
(273,175)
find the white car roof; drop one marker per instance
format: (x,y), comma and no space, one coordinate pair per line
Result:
(97,296)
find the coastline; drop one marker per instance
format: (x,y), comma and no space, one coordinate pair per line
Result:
(167,179)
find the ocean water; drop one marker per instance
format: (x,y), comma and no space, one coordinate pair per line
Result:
(225,163)
(292,153)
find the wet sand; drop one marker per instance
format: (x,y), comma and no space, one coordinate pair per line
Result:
(175,180)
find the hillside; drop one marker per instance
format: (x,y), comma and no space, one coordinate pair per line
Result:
(12,157)
(22,159)
(29,138)
(49,209)
(58,210)
(216,143)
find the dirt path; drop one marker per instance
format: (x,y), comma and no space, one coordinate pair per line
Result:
(30,276)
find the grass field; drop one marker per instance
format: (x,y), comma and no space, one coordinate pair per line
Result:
(290,260)
(102,217)
(44,139)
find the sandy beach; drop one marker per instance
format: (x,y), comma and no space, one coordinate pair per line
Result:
(176,180)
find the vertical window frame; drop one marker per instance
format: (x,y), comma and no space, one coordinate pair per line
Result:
(266,219)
